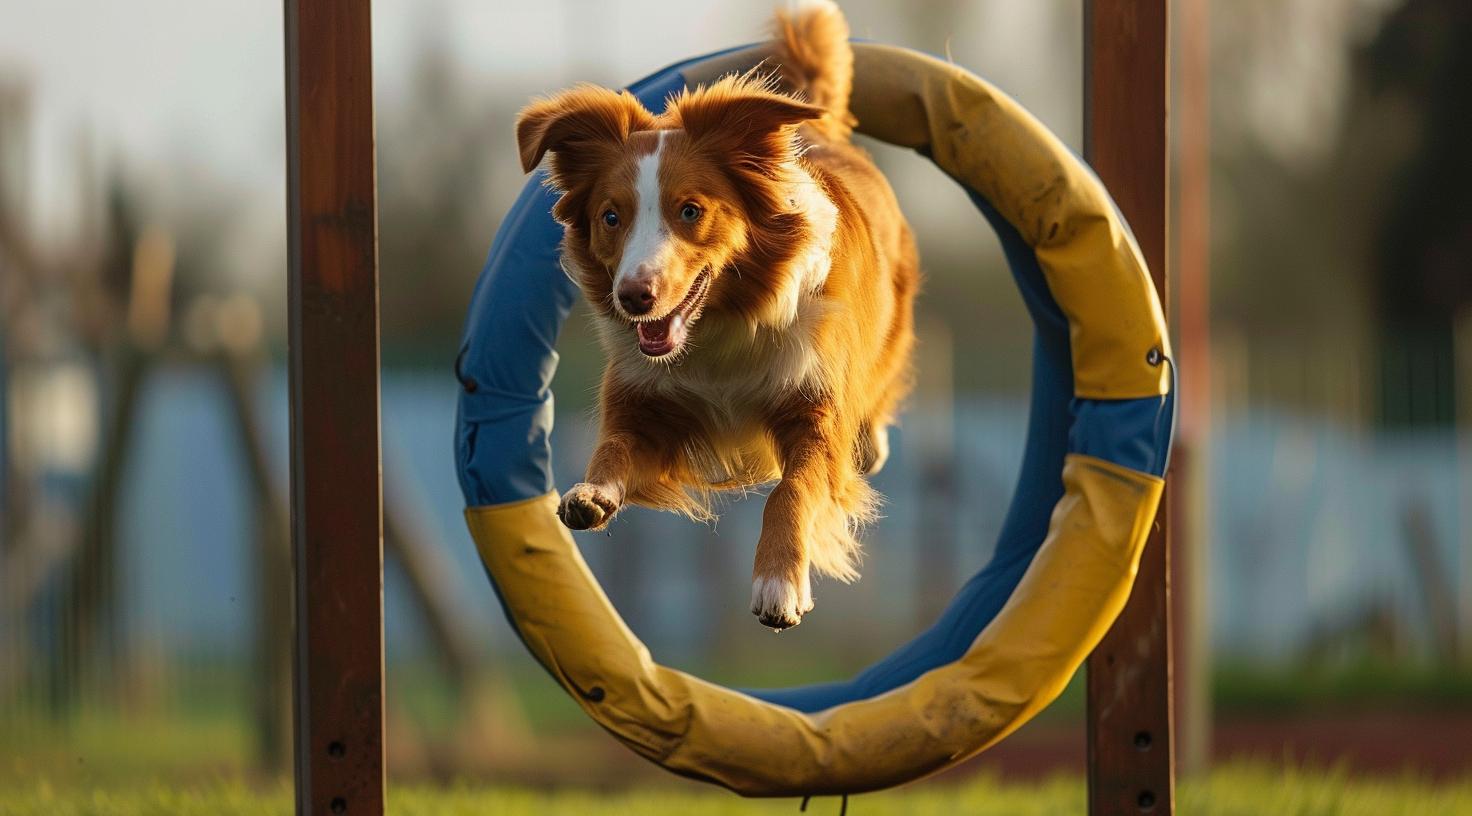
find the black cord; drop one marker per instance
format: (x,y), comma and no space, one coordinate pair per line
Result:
(842,807)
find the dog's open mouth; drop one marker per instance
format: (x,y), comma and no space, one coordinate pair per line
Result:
(658,338)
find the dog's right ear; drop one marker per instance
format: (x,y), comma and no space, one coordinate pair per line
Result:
(585,116)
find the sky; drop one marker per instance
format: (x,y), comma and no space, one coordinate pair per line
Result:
(186,96)
(189,92)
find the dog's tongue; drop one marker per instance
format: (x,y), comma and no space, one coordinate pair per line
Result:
(660,337)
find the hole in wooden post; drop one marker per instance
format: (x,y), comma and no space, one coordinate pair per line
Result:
(336,749)
(339,805)
(1146,801)
(1143,741)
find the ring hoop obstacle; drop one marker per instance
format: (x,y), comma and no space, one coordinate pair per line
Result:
(1100,425)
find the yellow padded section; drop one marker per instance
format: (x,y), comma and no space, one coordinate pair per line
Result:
(1070,594)
(984,139)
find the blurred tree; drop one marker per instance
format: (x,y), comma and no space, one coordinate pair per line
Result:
(1339,214)
(437,169)
(1417,68)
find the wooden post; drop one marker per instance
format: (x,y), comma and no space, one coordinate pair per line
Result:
(1130,746)
(336,499)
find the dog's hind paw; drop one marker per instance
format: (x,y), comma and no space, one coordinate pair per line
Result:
(587,507)
(778,603)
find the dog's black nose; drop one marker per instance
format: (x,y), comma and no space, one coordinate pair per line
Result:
(636,298)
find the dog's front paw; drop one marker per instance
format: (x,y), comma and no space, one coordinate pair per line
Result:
(587,507)
(779,603)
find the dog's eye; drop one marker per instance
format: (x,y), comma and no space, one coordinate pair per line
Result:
(610,218)
(690,213)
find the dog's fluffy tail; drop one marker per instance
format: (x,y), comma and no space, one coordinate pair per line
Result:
(813,57)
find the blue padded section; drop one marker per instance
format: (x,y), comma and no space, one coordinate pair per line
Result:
(503,426)
(1134,433)
(1039,487)
(505,421)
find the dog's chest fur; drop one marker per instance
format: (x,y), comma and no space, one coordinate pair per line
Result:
(731,381)
(735,374)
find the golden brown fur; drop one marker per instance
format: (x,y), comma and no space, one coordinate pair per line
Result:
(755,312)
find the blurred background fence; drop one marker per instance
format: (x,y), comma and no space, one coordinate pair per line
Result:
(144,604)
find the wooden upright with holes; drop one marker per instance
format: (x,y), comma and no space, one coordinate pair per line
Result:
(336,518)
(1130,750)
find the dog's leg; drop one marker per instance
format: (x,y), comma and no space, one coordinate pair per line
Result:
(591,504)
(781,589)
(640,459)
(624,461)
(810,451)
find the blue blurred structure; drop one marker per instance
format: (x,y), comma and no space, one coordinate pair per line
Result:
(1305,518)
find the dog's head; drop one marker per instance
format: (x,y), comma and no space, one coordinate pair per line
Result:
(669,217)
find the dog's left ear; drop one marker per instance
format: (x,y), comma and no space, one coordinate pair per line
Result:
(755,121)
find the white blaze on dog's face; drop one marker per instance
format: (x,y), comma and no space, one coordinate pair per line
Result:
(659,211)
(676,236)
(649,246)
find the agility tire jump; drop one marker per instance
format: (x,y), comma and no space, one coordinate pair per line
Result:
(1100,425)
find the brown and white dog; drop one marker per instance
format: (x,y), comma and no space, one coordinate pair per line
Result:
(753,281)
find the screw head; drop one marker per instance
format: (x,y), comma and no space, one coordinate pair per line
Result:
(1153,356)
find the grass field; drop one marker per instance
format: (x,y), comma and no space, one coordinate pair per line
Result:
(158,760)
(1238,790)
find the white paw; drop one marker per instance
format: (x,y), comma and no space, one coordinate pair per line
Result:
(780,604)
(587,507)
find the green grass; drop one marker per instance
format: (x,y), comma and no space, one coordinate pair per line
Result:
(160,759)
(105,748)
(1236,790)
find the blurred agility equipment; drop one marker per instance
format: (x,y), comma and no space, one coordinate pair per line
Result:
(1100,425)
